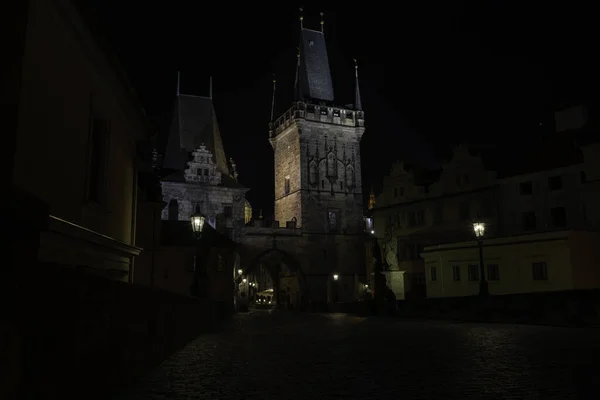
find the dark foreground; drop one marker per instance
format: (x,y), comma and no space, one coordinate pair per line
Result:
(278,355)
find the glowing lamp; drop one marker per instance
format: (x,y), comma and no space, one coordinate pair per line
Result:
(479,229)
(197,223)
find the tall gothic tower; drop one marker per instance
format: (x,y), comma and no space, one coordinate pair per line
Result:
(317,150)
(318,169)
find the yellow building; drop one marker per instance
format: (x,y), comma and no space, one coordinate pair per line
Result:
(550,261)
(77,131)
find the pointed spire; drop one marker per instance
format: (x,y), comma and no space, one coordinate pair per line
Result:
(178,83)
(210,88)
(322,22)
(357,102)
(301,18)
(273,99)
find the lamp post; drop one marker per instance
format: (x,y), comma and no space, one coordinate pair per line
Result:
(197,221)
(479,229)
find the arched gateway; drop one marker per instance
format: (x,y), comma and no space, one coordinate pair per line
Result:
(273,276)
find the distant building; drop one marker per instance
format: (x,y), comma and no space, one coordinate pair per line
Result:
(77,134)
(532,206)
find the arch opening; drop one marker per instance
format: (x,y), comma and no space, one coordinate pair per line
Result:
(273,279)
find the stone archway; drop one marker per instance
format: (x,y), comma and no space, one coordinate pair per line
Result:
(274,257)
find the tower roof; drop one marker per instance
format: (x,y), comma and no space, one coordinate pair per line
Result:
(315,76)
(194,124)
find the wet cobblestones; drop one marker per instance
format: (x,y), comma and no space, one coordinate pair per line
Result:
(294,356)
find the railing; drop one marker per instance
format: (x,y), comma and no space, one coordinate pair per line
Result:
(320,113)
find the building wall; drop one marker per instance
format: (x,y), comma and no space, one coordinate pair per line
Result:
(570,262)
(542,200)
(62,73)
(288,166)
(212,200)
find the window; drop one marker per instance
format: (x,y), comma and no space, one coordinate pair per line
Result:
(197,209)
(229,233)
(322,183)
(539,271)
(205,172)
(199,171)
(456,272)
(98,159)
(439,215)
(559,217)
(395,192)
(493,272)
(463,211)
(287,185)
(526,188)
(333,217)
(173,210)
(529,221)
(341,186)
(228,211)
(433,271)
(420,217)
(473,272)
(486,208)
(412,219)
(401,191)
(555,183)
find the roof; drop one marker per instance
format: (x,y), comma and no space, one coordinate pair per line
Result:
(315,76)
(194,124)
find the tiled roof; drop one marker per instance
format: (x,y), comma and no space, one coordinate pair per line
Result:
(315,77)
(194,124)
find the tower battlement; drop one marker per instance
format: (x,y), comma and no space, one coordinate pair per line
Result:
(317,113)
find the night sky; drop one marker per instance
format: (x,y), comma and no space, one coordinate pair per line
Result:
(432,75)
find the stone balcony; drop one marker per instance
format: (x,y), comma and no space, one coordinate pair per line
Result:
(317,113)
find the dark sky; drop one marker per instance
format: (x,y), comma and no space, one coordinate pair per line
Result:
(432,75)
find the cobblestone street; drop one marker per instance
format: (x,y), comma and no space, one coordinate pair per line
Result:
(278,355)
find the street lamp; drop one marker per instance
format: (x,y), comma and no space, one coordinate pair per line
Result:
(240,271)
(336,277)
(479,229)
(197,221)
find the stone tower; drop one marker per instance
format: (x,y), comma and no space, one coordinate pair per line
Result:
(318,170)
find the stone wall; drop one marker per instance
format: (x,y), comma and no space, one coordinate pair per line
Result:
(80,336)
(288,166)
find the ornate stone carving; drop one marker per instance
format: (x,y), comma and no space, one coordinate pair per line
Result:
(202,169)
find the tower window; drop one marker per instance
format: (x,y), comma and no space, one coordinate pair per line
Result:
(322,183)
(333,219)
(227,210)
(341,186)
(287,185)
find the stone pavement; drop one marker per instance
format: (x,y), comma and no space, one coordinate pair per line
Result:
(281,355)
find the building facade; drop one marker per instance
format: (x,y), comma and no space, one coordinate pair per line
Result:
(419,208)
(524,203)
(78,130)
